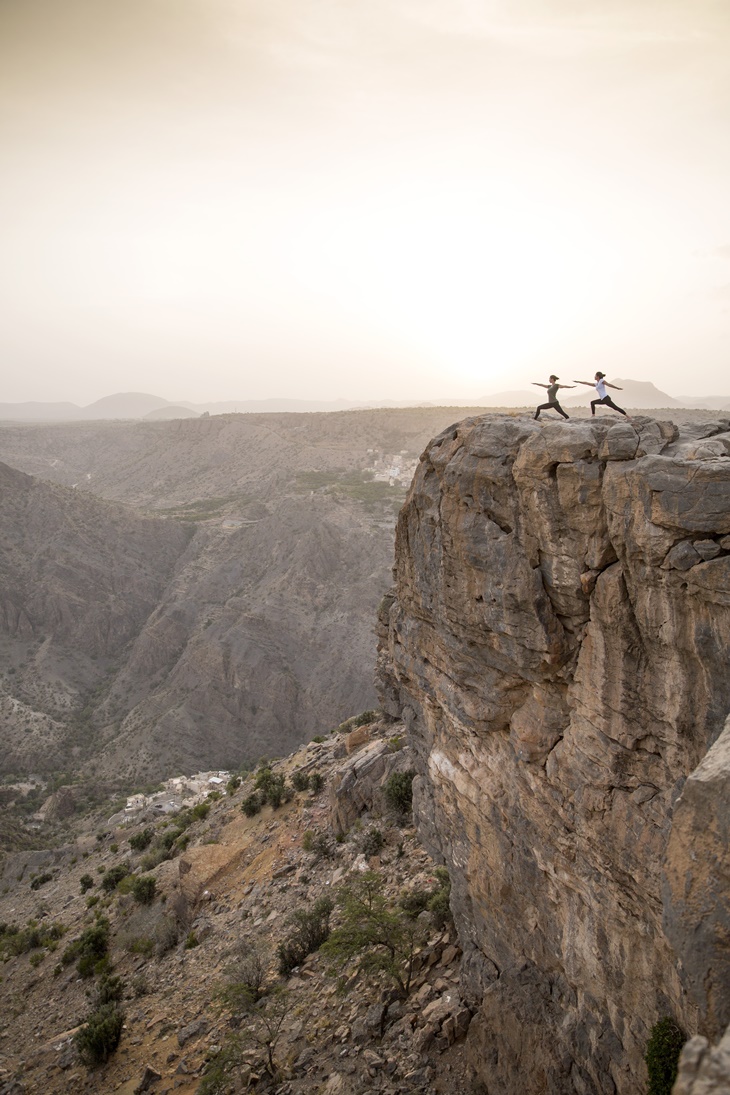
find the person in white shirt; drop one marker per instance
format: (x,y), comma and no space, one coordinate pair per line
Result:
(600,384)
(552,391)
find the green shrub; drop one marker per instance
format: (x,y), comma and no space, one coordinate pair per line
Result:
(100,1036)
(316,782)
(300,780)
(251,805)
(114,876)
(310,930)
(110,990)
(233,784)
(86,882)
(662,1055)
(40,880)
(363,719)
(15,941)
(142,840)
(143,889)
(201,810)
(414,902)
(90,949)
(372,842)
(271,787)
(435,900)
(398,791)
(191,941)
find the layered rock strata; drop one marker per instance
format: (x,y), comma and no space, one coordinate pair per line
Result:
(558,644)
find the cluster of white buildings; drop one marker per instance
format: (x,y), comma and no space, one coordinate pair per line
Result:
(394,469)
(176,793)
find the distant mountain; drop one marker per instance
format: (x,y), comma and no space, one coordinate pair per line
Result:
(634,393)
(124,405)
(39,412)
(170,411)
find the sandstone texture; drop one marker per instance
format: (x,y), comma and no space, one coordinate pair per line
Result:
(557,644)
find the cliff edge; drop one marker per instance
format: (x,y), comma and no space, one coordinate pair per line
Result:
(557,643)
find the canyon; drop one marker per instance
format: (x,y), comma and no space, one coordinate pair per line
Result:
(556,643)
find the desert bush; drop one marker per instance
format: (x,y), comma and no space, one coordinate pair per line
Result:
(300,780)
(100,1035)
(15,941)
(310,930)
(439,904)
(86,882)
(398,791)
(363,719)
(143,889)
(316,782)
(90,949)
(372,842)
(318,844)
(251,805)
(142,840)
(662,1055)
(40,880)
(201,810)
(114,876)
(109,990)
(271,787)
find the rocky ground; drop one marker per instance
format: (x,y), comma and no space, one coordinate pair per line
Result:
(229,894)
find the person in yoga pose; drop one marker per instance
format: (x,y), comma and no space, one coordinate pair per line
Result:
(552,391)
(600,384)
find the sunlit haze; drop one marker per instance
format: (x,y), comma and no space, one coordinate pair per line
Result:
(414,199)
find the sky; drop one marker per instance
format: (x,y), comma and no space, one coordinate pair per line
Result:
(391,199)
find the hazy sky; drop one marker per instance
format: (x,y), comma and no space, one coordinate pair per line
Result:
(219,199)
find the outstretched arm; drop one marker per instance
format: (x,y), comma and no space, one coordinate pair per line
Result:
(539,385)
(590,383)
(615,386)
(566,385)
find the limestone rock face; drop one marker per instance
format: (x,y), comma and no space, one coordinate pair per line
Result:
(557,643)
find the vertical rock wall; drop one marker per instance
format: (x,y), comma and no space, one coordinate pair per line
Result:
(558,644)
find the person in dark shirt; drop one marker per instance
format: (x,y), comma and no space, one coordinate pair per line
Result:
(552,391)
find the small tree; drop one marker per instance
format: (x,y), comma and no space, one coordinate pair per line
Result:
(381,939)
(268,1023)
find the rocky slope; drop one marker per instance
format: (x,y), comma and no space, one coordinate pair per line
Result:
(79,578)
(264,632)
(230,890)
(557,644)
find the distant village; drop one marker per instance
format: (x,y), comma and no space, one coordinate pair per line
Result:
(176,792)
(394,470)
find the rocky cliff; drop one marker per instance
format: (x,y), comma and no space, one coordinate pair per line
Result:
(558,644)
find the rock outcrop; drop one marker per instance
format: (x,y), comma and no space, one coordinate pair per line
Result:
(557,643)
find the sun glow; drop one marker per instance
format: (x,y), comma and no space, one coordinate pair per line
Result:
(472,278)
